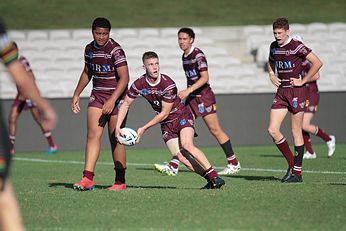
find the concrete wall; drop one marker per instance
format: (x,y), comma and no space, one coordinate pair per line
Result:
(243,116)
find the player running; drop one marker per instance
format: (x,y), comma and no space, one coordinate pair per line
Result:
(22,103)
(200,98)
(313,97)
(175,118)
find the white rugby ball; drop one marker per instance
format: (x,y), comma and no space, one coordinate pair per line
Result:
(128,136)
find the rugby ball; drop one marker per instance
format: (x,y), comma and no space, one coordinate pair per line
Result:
(128,136)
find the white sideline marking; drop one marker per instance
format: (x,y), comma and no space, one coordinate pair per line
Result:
(150,165)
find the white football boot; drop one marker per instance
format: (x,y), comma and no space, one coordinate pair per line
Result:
(308,155)
(230,169)
(331,146)
(166,169)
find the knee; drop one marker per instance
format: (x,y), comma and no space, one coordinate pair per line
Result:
(272,132)
(187,146)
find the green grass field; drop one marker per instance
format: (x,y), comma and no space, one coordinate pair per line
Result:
(254,199)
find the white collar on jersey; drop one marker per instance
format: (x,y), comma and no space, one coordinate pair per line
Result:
(153,84)
(192,48)
(288,41)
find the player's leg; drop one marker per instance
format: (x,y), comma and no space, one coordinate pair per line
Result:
(53,148)
(92,152)
(296,127)
(15,111)
(308,128)
(186,139)
(10,216)
(213,124)
(119,157)
(275,120)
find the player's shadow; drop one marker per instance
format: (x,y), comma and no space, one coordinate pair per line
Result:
(271,155)
(338,184)
(70,186)
(255,178)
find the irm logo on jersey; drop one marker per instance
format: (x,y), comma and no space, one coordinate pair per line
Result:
(191,73)
(283,65)
(101,67)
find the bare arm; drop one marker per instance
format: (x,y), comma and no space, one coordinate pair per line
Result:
(122,85)
(82,83)
(200,82)
(28,88)
(166,109)
(273,78)
(124,108)
(316,64)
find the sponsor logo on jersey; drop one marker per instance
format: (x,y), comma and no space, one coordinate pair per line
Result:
(144,91)
(183,122)
(208,109)
(190,122)
(201,107)
(91,99)
(283,65)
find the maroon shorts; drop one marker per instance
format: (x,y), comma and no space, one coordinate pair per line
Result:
(171,129)
(202,104)
(98,98)
(313,97)
(294,99)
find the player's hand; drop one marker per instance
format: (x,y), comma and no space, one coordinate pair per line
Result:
(140,133)
(184,94)
(75,104)
(275,80)
(296,82)
(118,135)
(108,106)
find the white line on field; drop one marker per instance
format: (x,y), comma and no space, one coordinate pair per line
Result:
(150,165)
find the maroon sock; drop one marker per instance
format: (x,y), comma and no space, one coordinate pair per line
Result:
(232,160)
(120,175)
(307,142)
(210,174)
(286,151)
(174,162)
(323,135)
(49,138)
(88,174)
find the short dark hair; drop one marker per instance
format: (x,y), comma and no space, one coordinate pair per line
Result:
(101,22)
(188,31)
(149,55)
(281,23)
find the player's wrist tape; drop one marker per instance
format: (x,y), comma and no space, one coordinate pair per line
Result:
(8,51)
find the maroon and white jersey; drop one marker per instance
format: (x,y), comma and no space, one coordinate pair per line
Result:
(288,60)
(194,63)
(102,63)
(164,90)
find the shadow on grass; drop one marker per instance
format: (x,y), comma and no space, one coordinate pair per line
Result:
(70,186)
(256,178)
(338,184)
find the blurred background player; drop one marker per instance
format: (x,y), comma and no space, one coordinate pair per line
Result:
(175,118)
(21,103)
(106,65)
(286,56)
(200,98)
(313,97)
(10,217)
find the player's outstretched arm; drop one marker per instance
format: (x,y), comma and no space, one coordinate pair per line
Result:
(82,83)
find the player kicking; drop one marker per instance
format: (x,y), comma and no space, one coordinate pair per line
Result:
(200,98)
(313,97)
(175,118)
(22,103)
(286,56)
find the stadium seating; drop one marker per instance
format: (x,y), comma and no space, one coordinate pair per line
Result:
(236,55)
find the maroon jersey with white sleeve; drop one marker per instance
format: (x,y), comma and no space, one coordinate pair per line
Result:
(194,63)
(102,63)
(288,60)
(164,90)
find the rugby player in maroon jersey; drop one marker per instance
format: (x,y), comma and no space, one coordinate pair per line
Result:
(285,68)
(106,66)
(175,118)
(201,100)
(313,97)
(22,103)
